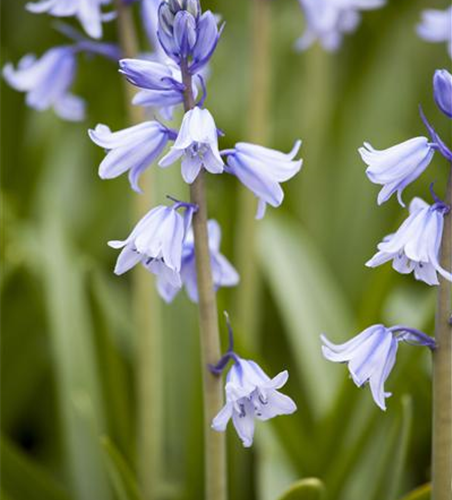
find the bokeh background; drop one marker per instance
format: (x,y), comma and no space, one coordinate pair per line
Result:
(69,346)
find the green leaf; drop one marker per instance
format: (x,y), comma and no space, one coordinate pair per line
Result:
(309,300)
(421,493)
(23,479)
(121,476)
(305,489)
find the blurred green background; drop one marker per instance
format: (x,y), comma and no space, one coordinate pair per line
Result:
(69,357)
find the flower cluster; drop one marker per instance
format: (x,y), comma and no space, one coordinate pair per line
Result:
(435,26)
(328,20)
(47,80)
(163,241)
(413,248)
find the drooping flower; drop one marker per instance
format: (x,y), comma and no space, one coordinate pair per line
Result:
(132,149)
(223,273)
(197,143)
(396,167)
(187,36)
(442,90)
(156,242)
(88,12)
(47,81)
(328,20)
(251,394)
(371,355)
(261,170)
(435,26)
(415,246)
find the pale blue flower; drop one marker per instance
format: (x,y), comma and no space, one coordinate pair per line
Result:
(442,90)
(261,170)
(415,246)
(223,273)
(436,26)
(328,20)
(251,394)
(371,355)
(397,166)
(130,150)
(197,144)
(88,12)
(156,242)
(47,80)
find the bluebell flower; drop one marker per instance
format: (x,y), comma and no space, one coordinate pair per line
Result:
(415,246)
(261,170)
(397,166)
(442,90)
(88,12)
(156,242)
(371,355)
(197,144)
(160,83)
(328,20)
(435,26)
(130,150)
(47,81)
(251,394)
(223,273)
(187,36)
(149,17)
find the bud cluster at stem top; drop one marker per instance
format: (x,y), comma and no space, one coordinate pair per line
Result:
(186,35)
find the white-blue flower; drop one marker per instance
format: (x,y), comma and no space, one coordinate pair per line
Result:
(436,26)
(396,167)
(197,144)
(46,82)
(88,12)
(328,20)
(442,90)
(371,355)
(130,150)
(156,242)
(223,273)
(261,170)
(251,394)
(415,246)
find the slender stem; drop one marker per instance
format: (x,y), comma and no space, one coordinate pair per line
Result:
(214,442)
(147,313)
(442,373)
(248,293)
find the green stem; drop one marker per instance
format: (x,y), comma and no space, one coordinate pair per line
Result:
(247,303)
(147,313)
(442,373)
(214,442)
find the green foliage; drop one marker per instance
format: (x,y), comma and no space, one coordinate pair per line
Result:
(68,359)
(422,493)
(305,489)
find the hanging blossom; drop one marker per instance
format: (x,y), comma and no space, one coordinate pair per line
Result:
(156,242)
(261,170)
(47,80)
(436,26)
(197,144)
(442,90)
(371,355)
(415,246)
(88,12)
(398,166)
(130,150)
(223,273)
(329,20)
(250,394)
